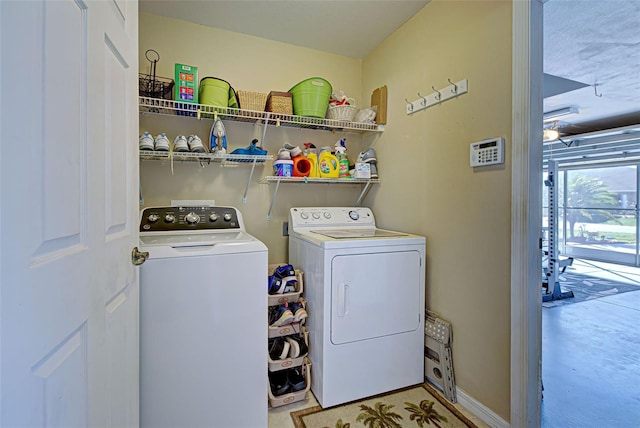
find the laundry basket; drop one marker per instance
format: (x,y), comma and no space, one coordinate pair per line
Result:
(345,112)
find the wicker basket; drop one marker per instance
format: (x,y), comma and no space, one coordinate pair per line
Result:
(279,102)
(252,100)
(344,113)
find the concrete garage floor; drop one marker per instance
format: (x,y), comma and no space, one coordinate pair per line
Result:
(591,359)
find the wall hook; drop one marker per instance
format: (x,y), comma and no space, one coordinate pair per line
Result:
(595,90)
(455,87)
(409,104)
(437,91)
(423,101)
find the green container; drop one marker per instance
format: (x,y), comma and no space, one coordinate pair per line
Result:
(311,97)
(217,92)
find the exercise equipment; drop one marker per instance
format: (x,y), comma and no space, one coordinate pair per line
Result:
(554,264)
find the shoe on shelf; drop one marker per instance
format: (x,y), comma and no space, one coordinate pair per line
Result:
(283,154)
(276,285)
(368,156)
(290,286)
(146,141)
(286,272)
(293,150)
(161,143)
(279,348)
(296,380)
(297,347)
(279,383)
(195,144)
(180,144)
(299,312)
(288,276)
(280,315)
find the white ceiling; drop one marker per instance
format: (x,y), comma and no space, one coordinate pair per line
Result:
(594,44)
(346,27)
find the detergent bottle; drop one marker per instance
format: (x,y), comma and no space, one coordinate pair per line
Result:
(310,153)
(328,164)
(343,161)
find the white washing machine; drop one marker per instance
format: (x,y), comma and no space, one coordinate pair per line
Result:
(365,291)
(203,332)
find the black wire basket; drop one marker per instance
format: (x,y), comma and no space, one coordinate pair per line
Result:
(155,86)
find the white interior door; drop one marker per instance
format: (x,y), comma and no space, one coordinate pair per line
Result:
(69,168)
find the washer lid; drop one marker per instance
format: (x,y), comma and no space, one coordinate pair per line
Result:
(185,239)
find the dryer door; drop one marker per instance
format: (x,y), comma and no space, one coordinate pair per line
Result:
(375,295)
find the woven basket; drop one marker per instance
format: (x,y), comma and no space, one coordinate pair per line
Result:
(344,112)
(279,102)
(252,100)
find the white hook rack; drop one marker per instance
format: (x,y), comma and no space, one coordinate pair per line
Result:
(438,96)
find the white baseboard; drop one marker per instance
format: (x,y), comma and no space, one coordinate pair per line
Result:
(485,414)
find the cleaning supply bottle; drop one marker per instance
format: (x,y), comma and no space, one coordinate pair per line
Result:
(310,153)
(343,161)
(328,164)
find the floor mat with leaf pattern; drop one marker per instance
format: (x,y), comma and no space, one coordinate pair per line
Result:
(418,406)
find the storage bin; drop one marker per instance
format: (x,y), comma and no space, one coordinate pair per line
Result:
(284,330)
(255,101)
(343,113)
(217,92)
(279,102)
(279,299)
(293,397)
(311,97)
(288,363)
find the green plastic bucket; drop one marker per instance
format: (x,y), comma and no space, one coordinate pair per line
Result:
(311,97)
(217,92)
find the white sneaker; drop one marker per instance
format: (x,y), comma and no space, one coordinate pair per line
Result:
(284,153)
(180,144)
(162,143)
(195,144)
(293,150)
(146,141)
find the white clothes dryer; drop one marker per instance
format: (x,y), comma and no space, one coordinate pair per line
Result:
(365,292)
(203,331)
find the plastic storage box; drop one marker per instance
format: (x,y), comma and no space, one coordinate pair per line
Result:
(292,397)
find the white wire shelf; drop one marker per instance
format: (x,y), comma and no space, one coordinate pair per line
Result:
(278,179)
(200,111)
(366,182)
(206,157)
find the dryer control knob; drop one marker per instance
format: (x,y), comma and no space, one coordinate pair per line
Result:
(192,218)
(169,218)
(227,217)
(327,215)
(354,215)
(304,215)
(316,215)
(213,217)
(153,218)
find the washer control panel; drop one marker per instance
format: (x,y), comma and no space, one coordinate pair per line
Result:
(163,219)
(331,217)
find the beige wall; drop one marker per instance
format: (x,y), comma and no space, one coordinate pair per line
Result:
(427,185)
(252,64)
(429,188)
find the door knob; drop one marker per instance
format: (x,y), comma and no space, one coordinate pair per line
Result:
(138,257)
